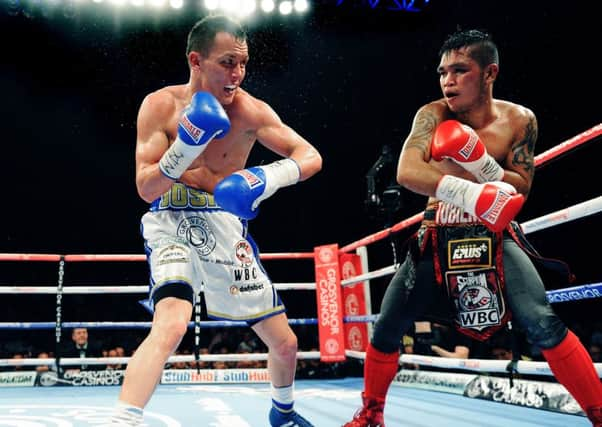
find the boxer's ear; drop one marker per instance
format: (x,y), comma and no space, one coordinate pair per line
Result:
(491,72)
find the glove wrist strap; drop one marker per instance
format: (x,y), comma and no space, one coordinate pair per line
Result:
(457,191)
(489,170)
(281,173)
(178,157)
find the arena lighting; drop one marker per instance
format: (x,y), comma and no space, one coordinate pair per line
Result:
(301,5)
(285,7)
(72,9)
(211,4)
(247,7)
(267,5)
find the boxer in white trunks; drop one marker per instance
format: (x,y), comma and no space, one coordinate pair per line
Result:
(193,142)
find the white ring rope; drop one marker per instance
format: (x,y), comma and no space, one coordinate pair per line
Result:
(478,365)
(137,289)
(561,216)
(71,361)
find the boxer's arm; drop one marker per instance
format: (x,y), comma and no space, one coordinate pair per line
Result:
(414,171)
(520,161)
(241,192)
(151,144)
(280,138)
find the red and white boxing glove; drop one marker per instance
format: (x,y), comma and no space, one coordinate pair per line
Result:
(460,143)
(494,203)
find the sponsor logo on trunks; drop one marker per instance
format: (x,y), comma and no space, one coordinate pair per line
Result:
(244,252)
(468,148)
(475,252)
(477,298)
(197,232)
(194,132)
(172,254)
(244,274)
(448,214)
(181,197)
(250,287)
(252,179)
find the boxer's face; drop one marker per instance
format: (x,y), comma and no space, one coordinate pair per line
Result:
(461,80)
(224,69)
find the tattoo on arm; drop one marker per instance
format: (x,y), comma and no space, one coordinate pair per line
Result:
(422,133)
(524,150)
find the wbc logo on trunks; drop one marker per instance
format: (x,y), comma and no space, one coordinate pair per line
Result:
(477,297)
(244,252)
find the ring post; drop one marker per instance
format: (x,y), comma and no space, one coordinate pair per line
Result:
(329,303)
(59,315)
(355,304)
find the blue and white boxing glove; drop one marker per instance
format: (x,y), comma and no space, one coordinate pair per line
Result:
(201,121)
(243,191)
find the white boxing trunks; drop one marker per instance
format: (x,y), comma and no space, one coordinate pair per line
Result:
(193,245)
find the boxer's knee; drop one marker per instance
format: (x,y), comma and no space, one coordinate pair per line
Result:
(285,349)
(170,324)
(545,332)
(385,340)
(168,333)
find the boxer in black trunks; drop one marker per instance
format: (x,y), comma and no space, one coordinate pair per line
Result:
(473,155)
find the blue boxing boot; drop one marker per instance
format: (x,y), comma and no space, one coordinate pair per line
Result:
(287,419)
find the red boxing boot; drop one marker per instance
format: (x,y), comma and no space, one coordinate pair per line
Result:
(370,415)
(595,416)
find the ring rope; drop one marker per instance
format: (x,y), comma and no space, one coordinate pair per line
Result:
(102,289)
(561,216)
(232,357)
(139,325)
(574,293)
(478,365)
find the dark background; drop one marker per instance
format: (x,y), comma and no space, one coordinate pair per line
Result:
(348,78)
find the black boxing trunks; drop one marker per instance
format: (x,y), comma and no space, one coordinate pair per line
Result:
(468,261)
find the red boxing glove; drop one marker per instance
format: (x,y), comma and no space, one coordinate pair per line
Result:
(460,143)
(494,203)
